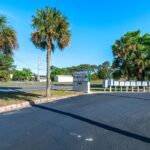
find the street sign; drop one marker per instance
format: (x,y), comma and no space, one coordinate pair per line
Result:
(81,81)
(81,76)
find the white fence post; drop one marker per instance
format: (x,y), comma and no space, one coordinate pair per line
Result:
(127,88)
(110,89)
(138,89)
(115,89)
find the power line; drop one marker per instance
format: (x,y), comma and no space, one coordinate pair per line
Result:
(29,65)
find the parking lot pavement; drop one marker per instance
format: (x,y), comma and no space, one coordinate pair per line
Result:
(90,122)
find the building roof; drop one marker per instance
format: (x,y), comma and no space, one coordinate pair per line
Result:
(64,76)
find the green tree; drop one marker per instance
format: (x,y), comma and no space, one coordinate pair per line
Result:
(6,66)
(51,28)
(22,75)
(131,55)
(70,70)
(104,71)
(8,42)
(58,71)
(83,67)
(8,39)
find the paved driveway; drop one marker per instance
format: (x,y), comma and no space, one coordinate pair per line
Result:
(90,122)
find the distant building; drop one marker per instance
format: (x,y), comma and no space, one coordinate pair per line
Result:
(64,78)
(42,79)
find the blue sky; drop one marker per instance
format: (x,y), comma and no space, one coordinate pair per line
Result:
(95,26)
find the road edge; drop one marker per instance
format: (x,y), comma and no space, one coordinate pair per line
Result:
(28,104)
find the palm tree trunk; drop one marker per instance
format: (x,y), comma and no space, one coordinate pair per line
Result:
(140,74)
(48,72)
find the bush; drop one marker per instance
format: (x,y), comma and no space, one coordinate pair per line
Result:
(94,77)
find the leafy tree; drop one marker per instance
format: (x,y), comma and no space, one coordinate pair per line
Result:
(82,67)
(104,71)
(131,56)
(51,28)
(70,70)
(23,75)
(6,62)
(58,71)
(93,69)
(6,66)
(8,42)
(94,76)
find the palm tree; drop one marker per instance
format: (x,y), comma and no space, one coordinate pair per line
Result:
(141,57)
(122,50)
(51,29)
(131,54)
(8,39)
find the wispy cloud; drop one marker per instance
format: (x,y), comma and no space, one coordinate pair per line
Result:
(9,15)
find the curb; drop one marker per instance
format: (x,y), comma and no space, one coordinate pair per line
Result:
(23,105)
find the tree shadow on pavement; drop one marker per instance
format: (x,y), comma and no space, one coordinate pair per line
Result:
(95,123)
(18,95)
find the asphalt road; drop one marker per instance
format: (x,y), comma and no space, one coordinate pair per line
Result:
(90,122)
(34,88)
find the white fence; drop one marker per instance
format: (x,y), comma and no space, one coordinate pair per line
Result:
(126,85)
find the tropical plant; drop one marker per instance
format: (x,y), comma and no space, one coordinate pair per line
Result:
(131,56)
(8,42)
(8,39)
(51,28)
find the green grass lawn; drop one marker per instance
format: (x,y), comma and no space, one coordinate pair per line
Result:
(18,97)
(97,82)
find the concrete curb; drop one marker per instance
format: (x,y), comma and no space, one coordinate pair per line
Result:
(22,105)
(27,104)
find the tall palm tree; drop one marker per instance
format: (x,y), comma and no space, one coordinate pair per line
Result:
(8,39)
(131,54)
(51,29)
(141,57)
(122,50)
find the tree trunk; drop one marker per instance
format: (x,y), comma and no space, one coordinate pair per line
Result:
(140,74)
(48,72)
